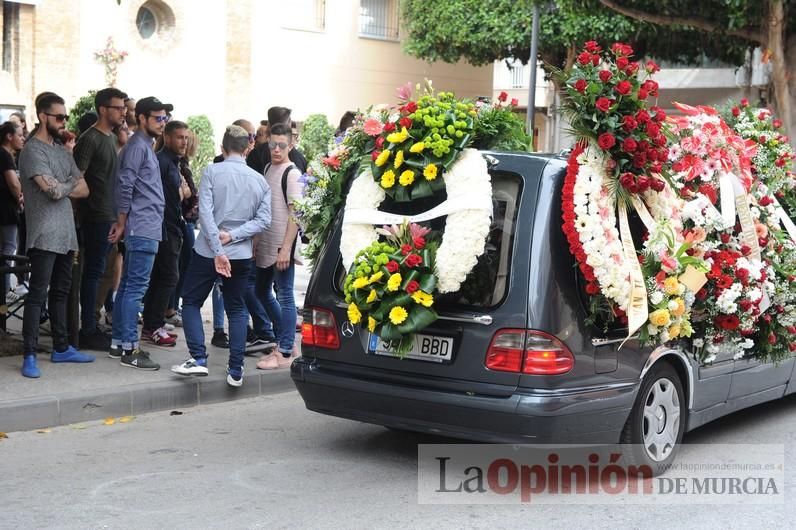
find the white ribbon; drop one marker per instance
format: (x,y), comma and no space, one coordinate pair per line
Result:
(371,216)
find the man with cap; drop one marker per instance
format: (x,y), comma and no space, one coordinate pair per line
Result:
(139,219)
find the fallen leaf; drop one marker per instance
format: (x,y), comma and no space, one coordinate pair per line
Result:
(3,435)
(126,419)
(79,426)
(175,413)
(44,431)
(109,421)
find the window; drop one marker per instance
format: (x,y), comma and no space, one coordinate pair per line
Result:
(307,15)
(10,36)
(155,22)
(378,19)
(146,23)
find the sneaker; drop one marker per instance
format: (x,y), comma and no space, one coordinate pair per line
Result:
(262,342)
(174,320)
(94,340)
(220,339)
(139,359)
(191,367)
(12,297)
(282,361)
(160,337)
(21,290)
(29,366)
(115,352)
(71,355)
(169,328)
(268,362)
(235,377)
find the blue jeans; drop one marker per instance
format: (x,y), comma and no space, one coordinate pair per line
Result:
(94,237)
(139,257)
(188,240)
(199,281)
(262,319)
(218,307)
(282,308)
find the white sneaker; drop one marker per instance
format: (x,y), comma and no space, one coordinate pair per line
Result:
(173,321)
(11,297)
(191,367)
(231,381)
(21,290)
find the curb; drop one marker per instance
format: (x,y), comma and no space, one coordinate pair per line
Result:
(129,400)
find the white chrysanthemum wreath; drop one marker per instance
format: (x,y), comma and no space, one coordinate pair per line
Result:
(468,207)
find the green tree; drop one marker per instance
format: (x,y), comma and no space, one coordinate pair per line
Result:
(315,136)
(205,151)
(81,106)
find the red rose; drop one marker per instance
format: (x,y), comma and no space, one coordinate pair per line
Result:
(780,162)
(653,129)
(777,124)
(656,167)
(419,242)
(651,87)
(592,289)
(584,58)
(591,46)
(413,260)
(629,123)
(580,85)
(379,142)
(642,116)
(744,102)
(639,160)
(652,67)
(772,339)
(660,277)
(606,141)
(627,180)
(503,96)
(742,275)
(622,62)
(515,102)
(405,122)
(659,140)
(595,60)
(411,107)
(605,75)
(736,111)
(406,249)
(623,87)
(603,104)
(745,305)
(642,94)
(762,138)
(791,330)
(792,346)
(632,68)
(389,127)
(412,286)
(746,250)
(629,145)
(392,266)
(660,114)
(374,155)
(643,183)
(765,200)
(657,185)
(761,116)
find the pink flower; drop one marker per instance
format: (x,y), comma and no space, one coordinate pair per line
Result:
(668,263)
(404,92)
(373,127)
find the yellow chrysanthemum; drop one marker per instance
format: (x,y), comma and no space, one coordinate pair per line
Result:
(376,276)
(671,285)
(397,315)
(680,309)
(354,315)
(371,296)
(674,331)
(398,137)
(399,159)
(417,147)
(383,157)
(660,318)
(359,283)
(371,324)
(430,172)
(394,282)
(388,179)
(407,177)
(423,298)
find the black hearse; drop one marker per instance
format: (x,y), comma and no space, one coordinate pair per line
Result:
(512,358)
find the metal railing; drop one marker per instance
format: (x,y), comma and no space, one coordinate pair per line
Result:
(379,19)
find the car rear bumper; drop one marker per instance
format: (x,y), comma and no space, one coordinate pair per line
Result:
(592,415)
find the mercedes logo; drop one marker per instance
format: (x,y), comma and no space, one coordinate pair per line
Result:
(347,328)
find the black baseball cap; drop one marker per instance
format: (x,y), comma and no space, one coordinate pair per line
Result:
(151,104)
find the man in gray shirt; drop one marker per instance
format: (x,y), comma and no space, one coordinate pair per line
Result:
(234,205)
(49,179)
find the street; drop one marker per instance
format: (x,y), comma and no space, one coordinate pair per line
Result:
(269,463)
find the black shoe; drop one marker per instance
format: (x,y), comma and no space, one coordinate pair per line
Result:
(115,352)
(266,341)
(220,339)
(139,359)
(95,340)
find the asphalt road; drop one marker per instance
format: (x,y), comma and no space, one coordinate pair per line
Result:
(269,463)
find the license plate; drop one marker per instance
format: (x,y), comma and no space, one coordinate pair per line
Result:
(425,348)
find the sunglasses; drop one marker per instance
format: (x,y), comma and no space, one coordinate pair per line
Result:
(58,117)
(280,145)
(161,119)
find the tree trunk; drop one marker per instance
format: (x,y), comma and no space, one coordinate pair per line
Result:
(779,69)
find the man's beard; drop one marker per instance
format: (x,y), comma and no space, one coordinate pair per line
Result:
(55,132)
(152,132)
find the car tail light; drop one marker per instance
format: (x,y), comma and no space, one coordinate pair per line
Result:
(321,330)
(529,352)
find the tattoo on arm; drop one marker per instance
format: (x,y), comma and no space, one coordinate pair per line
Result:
(54,189)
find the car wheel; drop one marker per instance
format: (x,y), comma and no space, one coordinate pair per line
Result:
(654,430)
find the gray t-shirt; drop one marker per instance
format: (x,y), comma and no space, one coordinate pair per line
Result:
(50,224)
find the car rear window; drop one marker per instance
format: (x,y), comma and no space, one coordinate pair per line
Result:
(487,284)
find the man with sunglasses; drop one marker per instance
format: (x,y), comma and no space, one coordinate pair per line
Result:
(95,155)
(140,204)
(50,178)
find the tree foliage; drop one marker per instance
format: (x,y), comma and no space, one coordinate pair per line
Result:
(82,106)
(205,151)
(315,136)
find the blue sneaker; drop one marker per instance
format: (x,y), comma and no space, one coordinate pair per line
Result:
(235,376)
(71,355)
(29,367)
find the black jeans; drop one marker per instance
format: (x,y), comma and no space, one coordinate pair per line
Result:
(47,269)
(165,275)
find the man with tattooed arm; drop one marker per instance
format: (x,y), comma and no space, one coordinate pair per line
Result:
(50,178)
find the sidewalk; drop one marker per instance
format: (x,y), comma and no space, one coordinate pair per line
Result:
(73,393)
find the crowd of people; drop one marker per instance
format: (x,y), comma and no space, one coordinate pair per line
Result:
(108,220)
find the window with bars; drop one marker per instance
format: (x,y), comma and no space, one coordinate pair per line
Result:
(306,15)
(10,35)
(378,19)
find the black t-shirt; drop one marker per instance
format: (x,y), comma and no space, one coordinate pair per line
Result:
(170,175)
(9,207)
(95,155)
(260,157)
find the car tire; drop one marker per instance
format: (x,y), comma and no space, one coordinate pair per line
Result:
(654,431)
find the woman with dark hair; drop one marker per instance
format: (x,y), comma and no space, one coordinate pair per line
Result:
(346,121)
(11,141)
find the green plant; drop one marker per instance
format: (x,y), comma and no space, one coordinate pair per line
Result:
(498,128)
(315,136)
(205,150)
(83,105)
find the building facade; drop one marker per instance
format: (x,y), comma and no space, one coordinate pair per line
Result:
(226,59)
